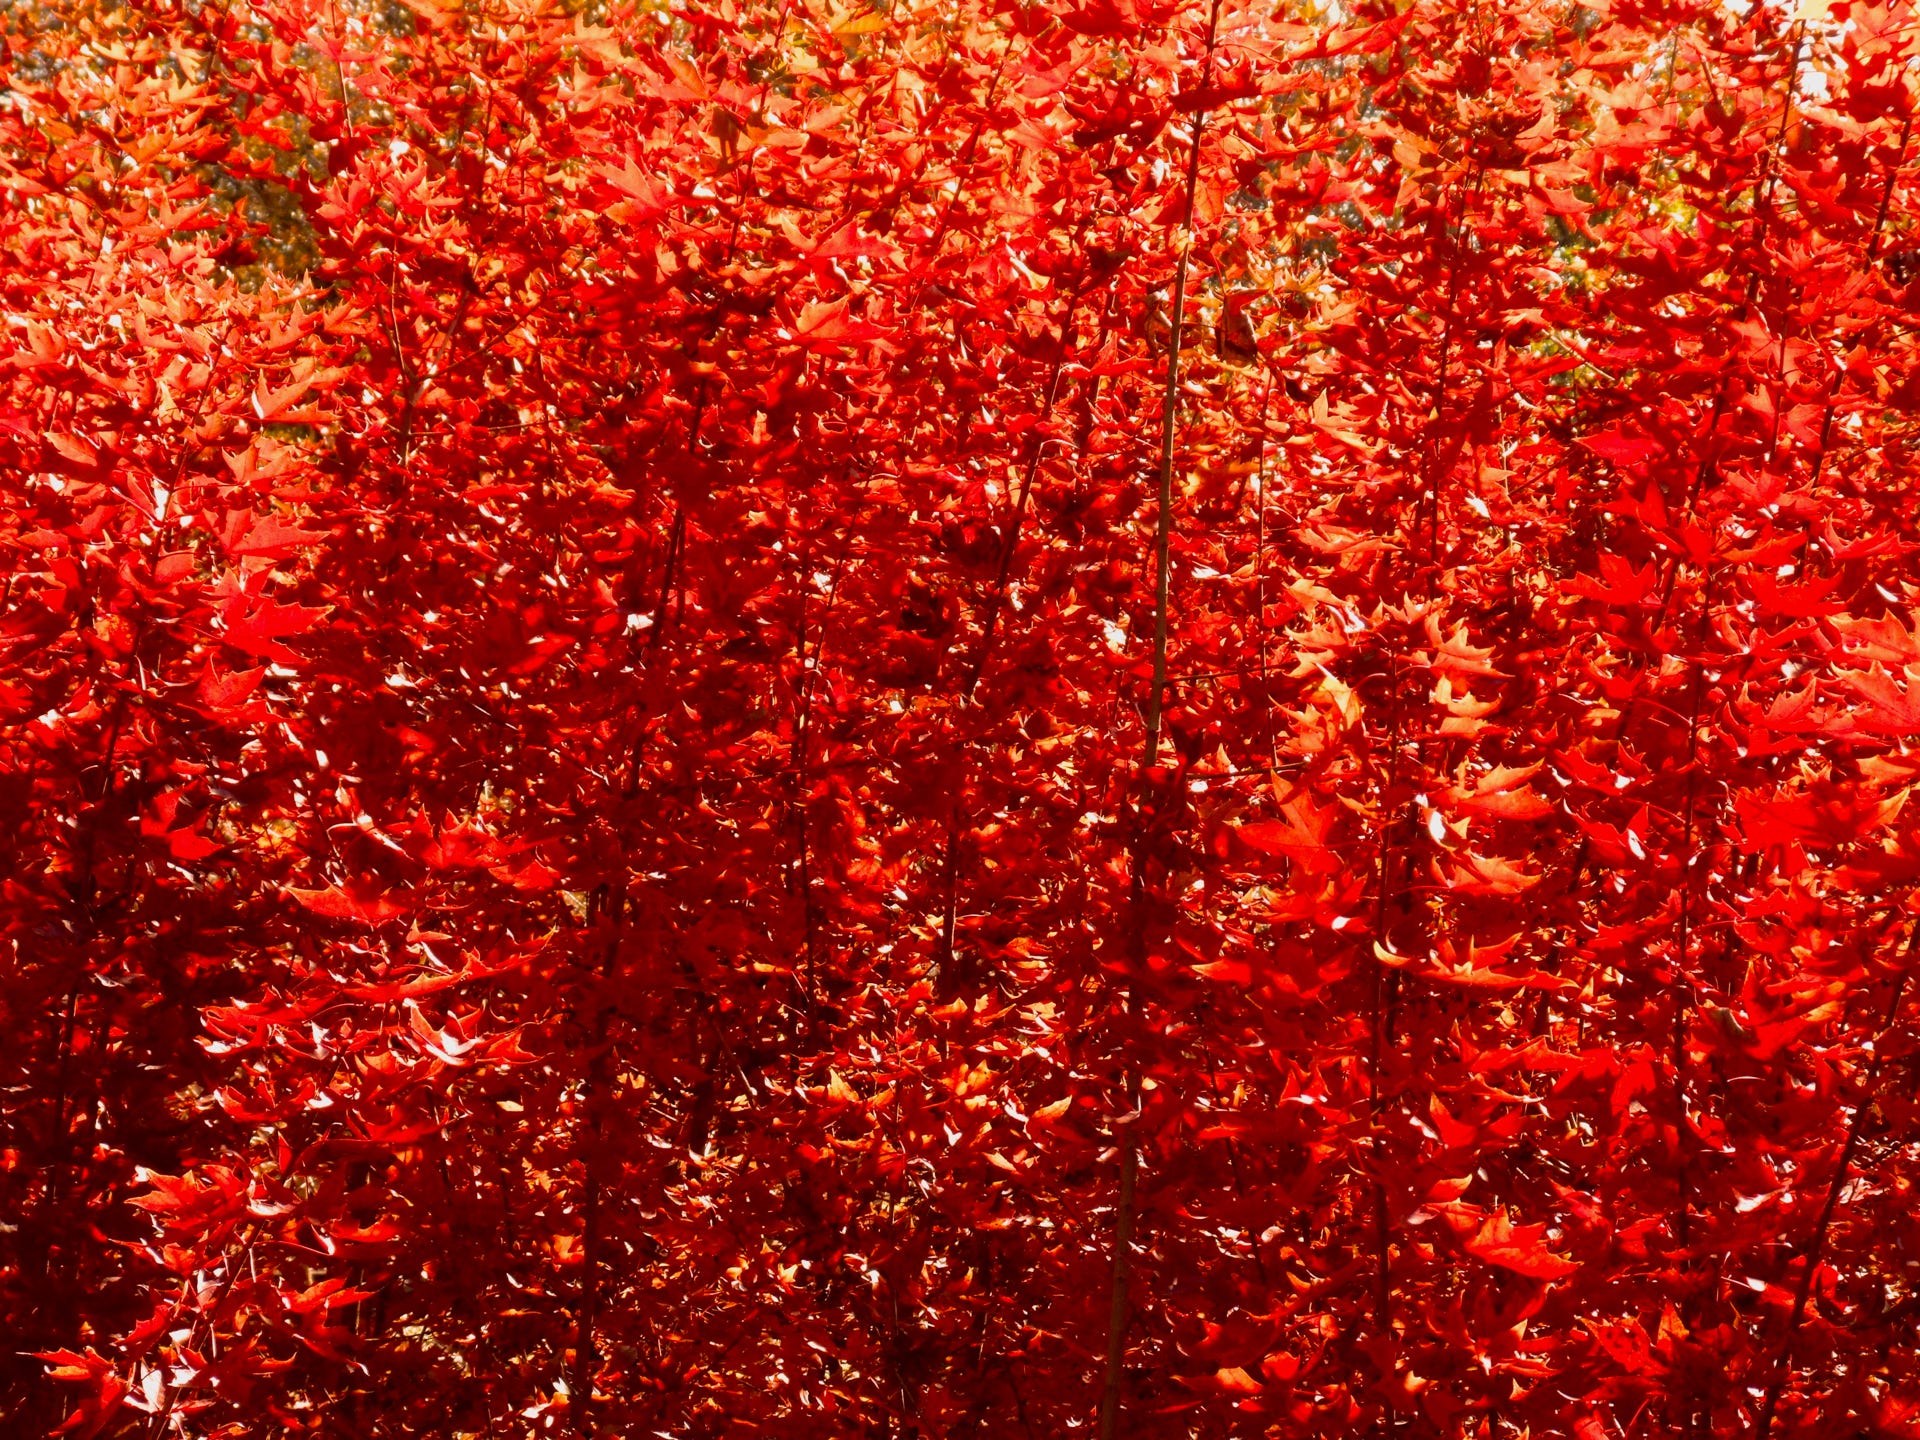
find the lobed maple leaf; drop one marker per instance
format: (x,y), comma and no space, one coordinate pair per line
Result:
(343,902)
(1519,1248)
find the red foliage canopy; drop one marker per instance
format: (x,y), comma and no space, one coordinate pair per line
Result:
(991,719)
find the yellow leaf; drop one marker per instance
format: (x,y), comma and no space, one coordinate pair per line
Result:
(863,25)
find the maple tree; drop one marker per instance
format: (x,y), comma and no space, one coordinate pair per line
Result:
(1132,718)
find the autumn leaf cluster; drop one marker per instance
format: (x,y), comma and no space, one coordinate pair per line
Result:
(989,718)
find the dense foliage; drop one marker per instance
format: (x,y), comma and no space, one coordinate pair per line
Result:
(987,719)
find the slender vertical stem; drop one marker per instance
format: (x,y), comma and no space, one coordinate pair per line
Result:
(946,976)
(1382,996)
(1162,548)
(1430,499)
(1169,409)
(1260,581)
(945,979)
(1122,1271)
(1683,1002)
(1763,199)
(610,904)
(1873,253)
(1816,1245)
(989,628)
(801,760)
